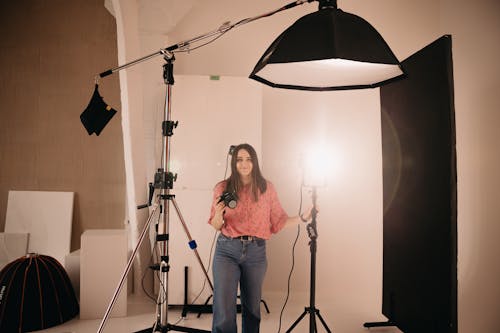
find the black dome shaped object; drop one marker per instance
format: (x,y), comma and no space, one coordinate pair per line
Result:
(35,294)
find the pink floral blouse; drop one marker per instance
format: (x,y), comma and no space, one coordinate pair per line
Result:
(260,219)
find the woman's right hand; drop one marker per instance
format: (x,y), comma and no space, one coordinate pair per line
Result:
(220,208)
(218,219)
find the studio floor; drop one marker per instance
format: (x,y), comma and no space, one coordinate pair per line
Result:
(141,315)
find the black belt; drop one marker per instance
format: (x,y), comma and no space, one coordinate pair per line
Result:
(244,238)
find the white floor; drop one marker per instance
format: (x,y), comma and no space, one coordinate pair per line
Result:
(141,315)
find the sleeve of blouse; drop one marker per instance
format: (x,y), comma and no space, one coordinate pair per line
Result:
(217,192)
(278,216)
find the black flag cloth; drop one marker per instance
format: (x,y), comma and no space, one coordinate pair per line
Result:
(97,114)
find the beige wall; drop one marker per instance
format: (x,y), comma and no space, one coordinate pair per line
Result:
(475,27)
(49,53)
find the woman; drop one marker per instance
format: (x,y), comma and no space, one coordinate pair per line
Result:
(240,254)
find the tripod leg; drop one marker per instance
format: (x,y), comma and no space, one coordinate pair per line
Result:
(265,305)
(323,322)
(297,321)
(206,305)
(185,329)
(127,270)
(191,242)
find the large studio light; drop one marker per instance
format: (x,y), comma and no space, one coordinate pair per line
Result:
(328,50)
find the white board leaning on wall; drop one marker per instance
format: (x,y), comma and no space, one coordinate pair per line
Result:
(47,218)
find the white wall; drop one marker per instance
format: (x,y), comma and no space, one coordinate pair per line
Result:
(199,151)
(349,269)
(349,257)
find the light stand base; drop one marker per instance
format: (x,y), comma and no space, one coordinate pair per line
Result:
(379,324)
(173,328)
(313,312)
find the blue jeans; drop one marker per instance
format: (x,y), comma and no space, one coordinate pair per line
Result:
(242,261)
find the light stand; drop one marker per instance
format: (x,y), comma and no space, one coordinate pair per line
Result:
(163,181)
(311,309)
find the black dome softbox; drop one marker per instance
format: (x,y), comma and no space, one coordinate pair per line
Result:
(35,293)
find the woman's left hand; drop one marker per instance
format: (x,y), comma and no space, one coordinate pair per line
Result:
(306,216)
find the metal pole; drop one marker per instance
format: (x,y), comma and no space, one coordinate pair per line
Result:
(165,191)
(184,46)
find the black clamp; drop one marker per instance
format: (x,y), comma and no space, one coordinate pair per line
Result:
(164,180)
(168,126)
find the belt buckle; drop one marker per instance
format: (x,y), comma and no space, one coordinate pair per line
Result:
(247,238)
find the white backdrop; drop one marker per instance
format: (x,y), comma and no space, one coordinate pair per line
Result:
(212,115)
(349,257)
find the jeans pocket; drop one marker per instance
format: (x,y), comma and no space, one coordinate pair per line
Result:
(223,238)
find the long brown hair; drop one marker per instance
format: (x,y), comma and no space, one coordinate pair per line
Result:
(258,183)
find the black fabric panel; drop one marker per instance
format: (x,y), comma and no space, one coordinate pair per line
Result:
(420,204)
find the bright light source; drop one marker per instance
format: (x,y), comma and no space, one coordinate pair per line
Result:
(317,166)
(318,73)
